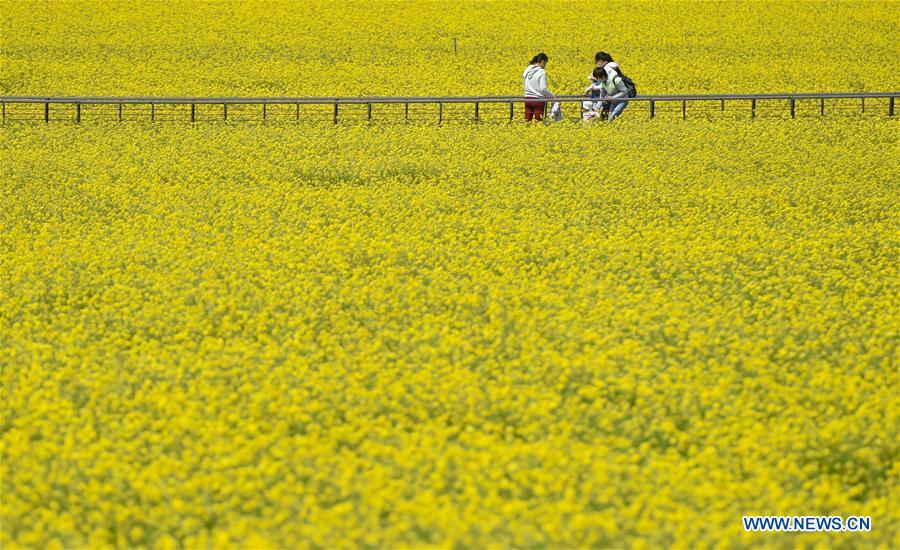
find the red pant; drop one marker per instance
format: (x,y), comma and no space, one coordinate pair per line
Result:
(534,110)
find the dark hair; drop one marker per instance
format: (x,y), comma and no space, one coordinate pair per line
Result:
(539,57)
(603,56)
(598,72)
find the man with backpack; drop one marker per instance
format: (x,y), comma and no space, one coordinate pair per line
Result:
(611,87)
(605,61)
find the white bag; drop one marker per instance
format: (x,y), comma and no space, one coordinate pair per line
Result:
(556,112)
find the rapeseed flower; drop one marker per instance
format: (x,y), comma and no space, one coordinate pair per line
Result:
(356,338)
(471,335)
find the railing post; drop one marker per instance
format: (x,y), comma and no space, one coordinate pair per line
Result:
(511,111)
(120,112)
(77,113)
(683,109)
(863,105)
(225,112)
(793,107)
(723,105)
(891,106)
(652,108)
(4,112)
(297,114)
(335,112)
(264,111)
(753,108)
(822,106)
(152,112)
(193,113)
(406,112)
(369,111)
(476,111)
(440,112)
(47,111)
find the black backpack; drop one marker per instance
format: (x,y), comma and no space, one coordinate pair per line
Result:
(632,89)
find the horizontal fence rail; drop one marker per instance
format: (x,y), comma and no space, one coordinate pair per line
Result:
(154,104)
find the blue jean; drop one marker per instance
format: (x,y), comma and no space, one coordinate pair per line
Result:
(616,109)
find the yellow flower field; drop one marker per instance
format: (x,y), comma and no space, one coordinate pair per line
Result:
(255,335)
(388,47)
(411,335)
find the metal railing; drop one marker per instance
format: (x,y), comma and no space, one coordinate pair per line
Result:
(335,103)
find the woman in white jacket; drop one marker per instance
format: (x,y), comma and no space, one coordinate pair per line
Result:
(535,80)
(604,60)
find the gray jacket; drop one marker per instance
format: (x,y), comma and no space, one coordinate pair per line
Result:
(614,87)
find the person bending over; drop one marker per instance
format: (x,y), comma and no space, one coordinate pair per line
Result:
(613,87)
(604,61)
